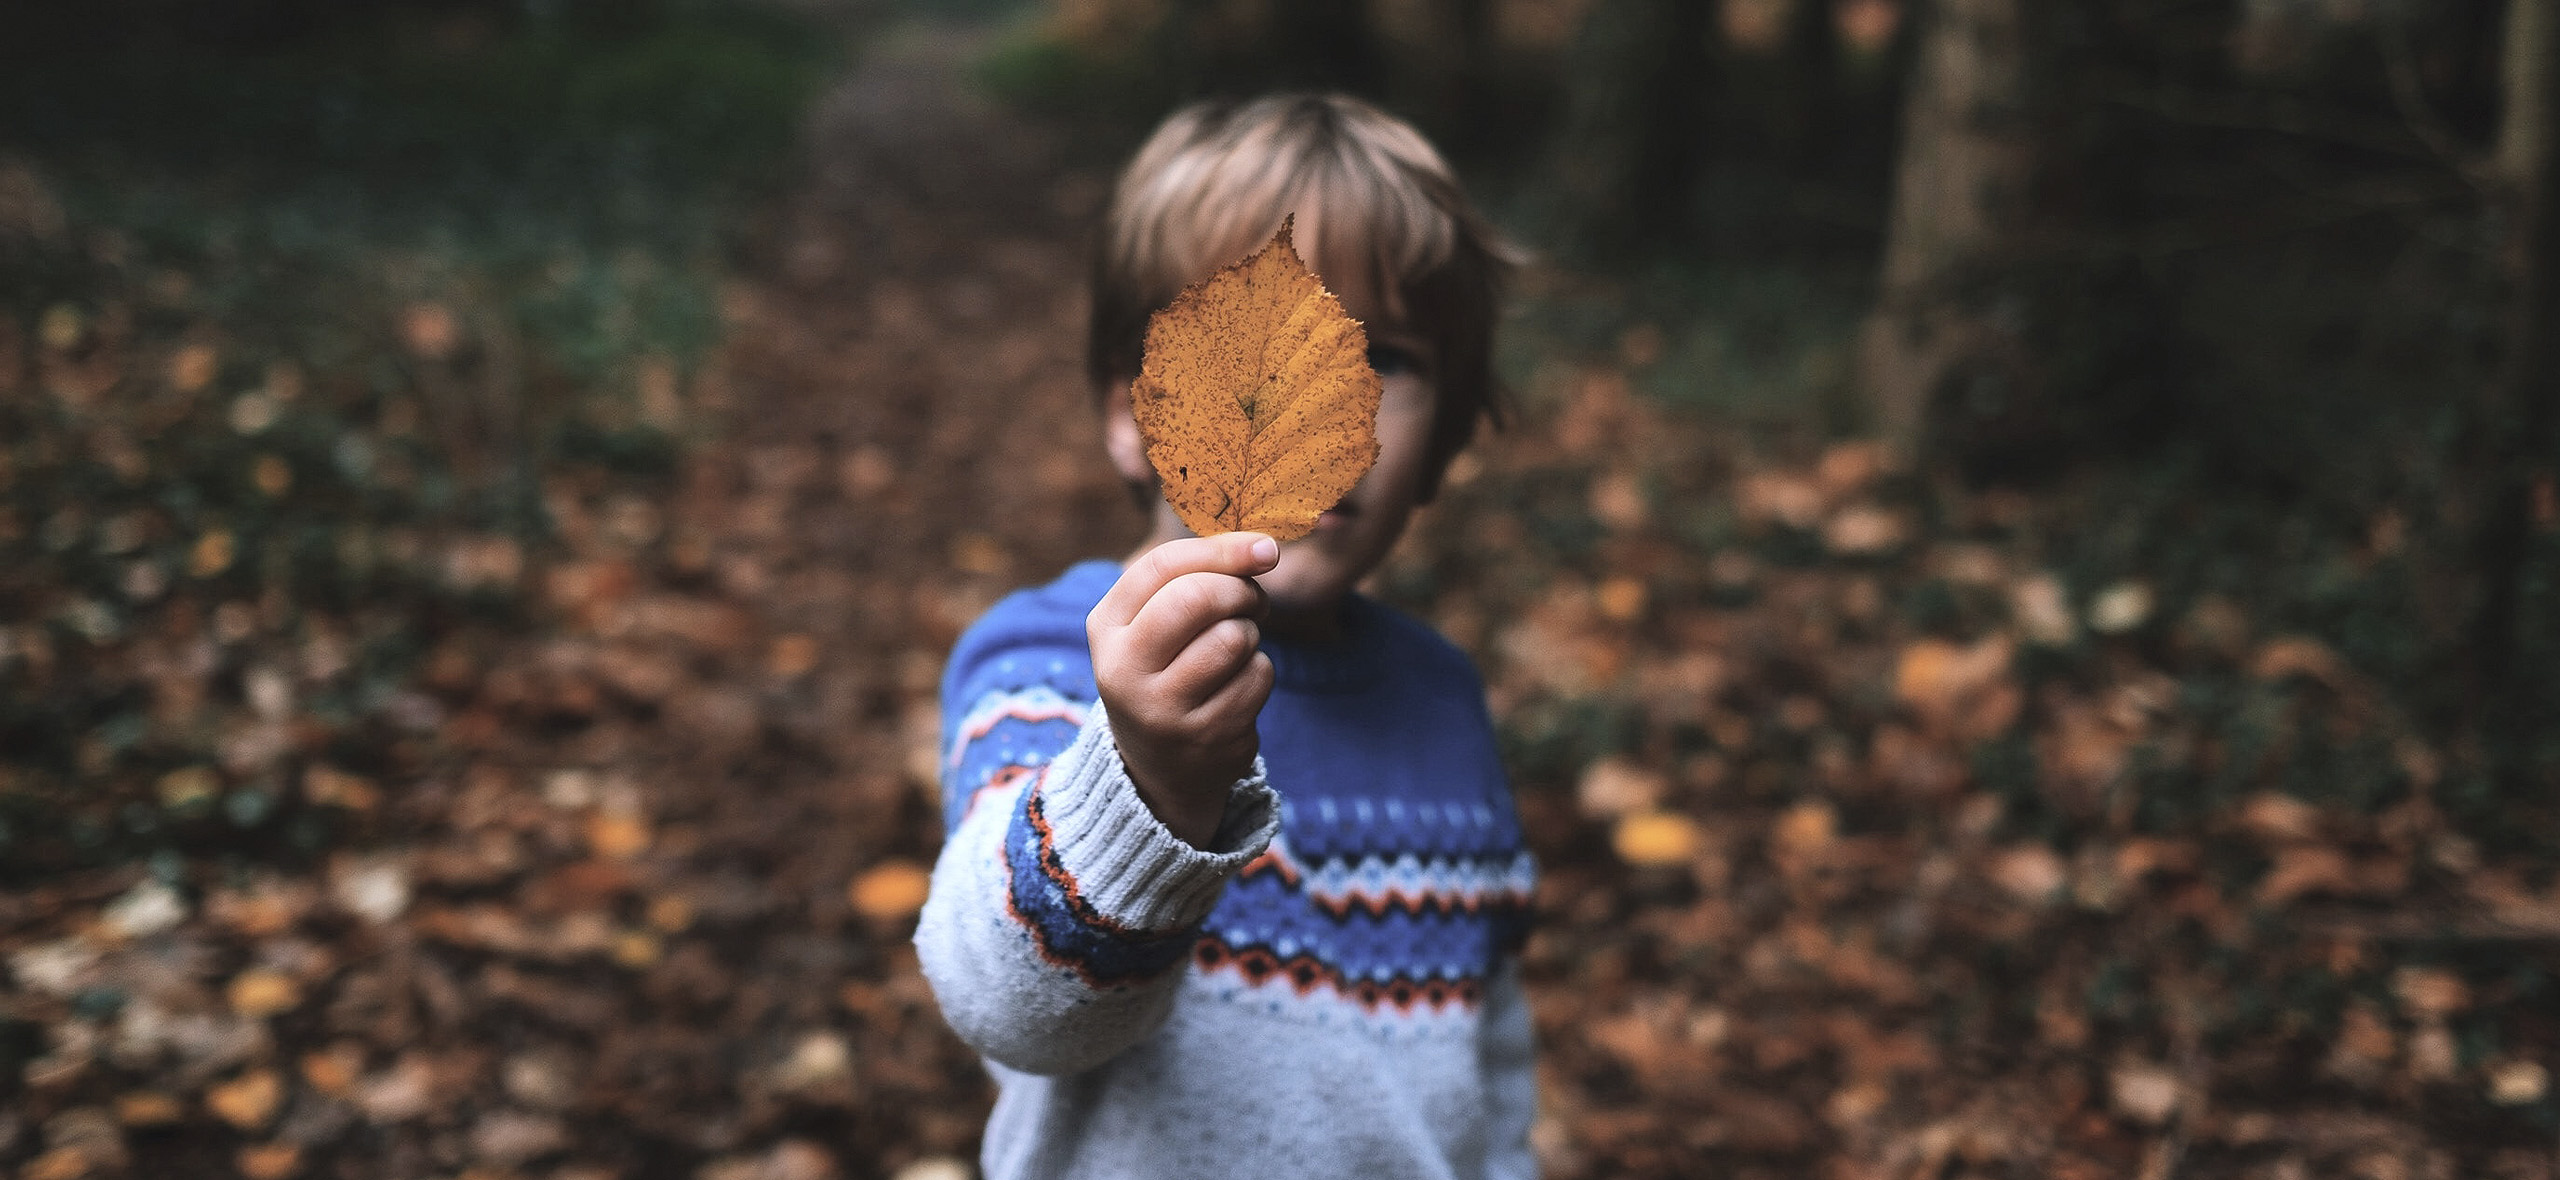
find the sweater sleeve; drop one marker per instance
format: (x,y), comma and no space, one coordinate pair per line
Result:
(1511,1080)
(1062,911)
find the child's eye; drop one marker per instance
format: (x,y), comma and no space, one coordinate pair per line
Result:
(1389,360)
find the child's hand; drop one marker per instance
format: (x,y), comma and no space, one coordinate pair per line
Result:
(1174,655)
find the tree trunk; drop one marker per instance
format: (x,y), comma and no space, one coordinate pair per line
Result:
(1471,90)
(2525,125)
(1962,195)
(1637,84)
(1813,68)
(1328,44)
(2524,406)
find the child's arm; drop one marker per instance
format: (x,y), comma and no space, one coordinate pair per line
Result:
(1063,907)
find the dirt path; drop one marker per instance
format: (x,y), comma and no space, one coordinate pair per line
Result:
(902,433)
(735,718)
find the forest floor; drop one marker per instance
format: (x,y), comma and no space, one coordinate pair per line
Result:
(1837,788)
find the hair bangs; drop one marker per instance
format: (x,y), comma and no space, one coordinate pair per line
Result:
(1376,210)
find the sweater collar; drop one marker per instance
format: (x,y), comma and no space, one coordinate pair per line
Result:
(1353,662)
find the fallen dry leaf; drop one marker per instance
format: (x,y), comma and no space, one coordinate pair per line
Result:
(2433,1057)
(1962,690)
(1256,398)
(2120,608)
(1779,496)
(329,787)
(617,835)
(1620,599)
(2518,1083)
(2279,818)
(272,476)
(2430,991)
(890,891)
(248,1101)
(2029,872)
(510,1138)
(259,993)
(2363,1033)
(400,1093)
(1864,530)
(1656,839)
(61,1163)
(1805,831)
(211,555)
(638,949)
(193,367)
(1617,500)
(2305,869)
(1613,787)
(2042,609)
(2299,655)
(334,1071)
(148,1108)
(430,330)
(269,1161)
(671,913)
(792,1159)
(792,656)
(2145,1093)
(940,1167)
(820,1059)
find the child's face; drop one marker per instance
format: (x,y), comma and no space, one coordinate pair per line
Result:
(1318,570)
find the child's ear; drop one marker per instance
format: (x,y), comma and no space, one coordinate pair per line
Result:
(1121,438)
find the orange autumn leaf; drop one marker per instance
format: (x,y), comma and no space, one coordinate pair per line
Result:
(259,993)
(269,1161)
(247,1102)
(617,836)
(1656,839)
(1256,398)
(890,891)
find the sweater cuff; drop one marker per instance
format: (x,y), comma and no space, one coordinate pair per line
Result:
(1125,863)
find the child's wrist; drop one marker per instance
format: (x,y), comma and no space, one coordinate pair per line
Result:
(1190,811)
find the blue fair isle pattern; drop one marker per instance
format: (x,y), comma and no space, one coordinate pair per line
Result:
(1411,882)
(1400,880)
(1008,734)
(1068,930)
(1393,939)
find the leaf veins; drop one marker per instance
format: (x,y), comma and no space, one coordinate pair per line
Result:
(1255,397)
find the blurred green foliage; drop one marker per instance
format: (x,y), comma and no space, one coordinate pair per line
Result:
(303,307)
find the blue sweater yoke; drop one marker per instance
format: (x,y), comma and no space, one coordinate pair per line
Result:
(1333,982)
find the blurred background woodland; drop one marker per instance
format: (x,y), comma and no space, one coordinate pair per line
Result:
(2019,598)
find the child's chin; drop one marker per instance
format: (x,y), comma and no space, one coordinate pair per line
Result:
(1303,585)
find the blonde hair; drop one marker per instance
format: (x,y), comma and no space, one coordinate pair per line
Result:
(1370,196)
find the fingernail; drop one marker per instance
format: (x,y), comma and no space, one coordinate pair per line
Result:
(1266,550)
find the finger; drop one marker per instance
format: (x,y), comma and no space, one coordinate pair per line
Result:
(1210,661)
(1240,701)
(1179,613)
(1240,554)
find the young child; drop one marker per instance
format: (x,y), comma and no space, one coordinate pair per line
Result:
(1232,879)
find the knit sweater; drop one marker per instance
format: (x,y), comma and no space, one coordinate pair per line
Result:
(1329,989)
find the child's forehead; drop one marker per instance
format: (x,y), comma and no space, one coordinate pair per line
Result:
(1347,252)
(1351,267)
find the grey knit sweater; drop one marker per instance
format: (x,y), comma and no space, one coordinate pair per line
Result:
(1330,989)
